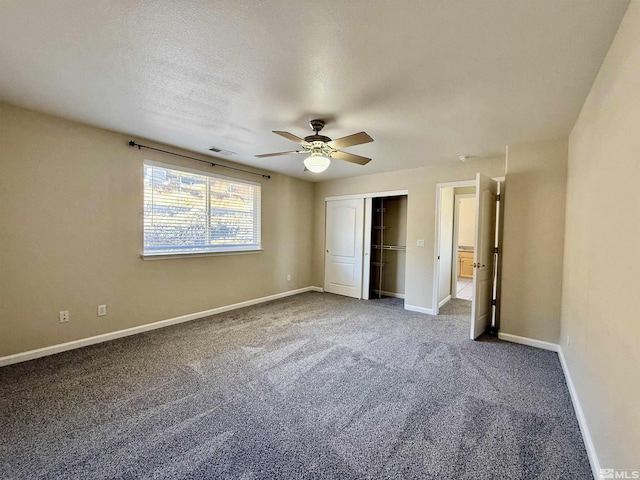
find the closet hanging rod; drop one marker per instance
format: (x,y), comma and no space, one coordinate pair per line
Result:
(213,164)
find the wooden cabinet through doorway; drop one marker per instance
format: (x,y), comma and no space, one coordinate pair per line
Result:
(465,264)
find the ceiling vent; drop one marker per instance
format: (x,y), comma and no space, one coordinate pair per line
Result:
(221,151)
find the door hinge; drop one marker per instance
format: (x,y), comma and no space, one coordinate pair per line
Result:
(493,302)
(495,250)
(497,197)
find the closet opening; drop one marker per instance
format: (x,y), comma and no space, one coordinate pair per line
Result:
(388,238)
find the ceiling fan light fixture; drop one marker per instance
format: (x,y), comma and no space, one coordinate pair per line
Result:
(322,149)
(317,162)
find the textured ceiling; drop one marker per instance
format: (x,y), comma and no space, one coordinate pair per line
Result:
(428,80)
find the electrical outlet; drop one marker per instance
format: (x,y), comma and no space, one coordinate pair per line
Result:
(289,278)
(64,316)
(102,310)
(420,243)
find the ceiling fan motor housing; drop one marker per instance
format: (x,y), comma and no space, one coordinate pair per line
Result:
(317,138)
(316,125)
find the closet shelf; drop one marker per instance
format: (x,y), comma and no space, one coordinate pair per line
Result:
(390,247)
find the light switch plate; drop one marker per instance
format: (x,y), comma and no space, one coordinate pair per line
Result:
(420,243)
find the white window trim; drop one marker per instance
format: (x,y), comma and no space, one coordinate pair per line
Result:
(229,250)
(171,256)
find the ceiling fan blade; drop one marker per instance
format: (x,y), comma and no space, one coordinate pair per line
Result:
(278,154)
(350,140)
(350,157)
(292,137)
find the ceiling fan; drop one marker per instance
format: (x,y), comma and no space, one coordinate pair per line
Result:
(322,149)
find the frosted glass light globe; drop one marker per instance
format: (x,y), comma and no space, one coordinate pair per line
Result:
(317,162)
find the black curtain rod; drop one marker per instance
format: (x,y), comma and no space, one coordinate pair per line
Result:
(213,164)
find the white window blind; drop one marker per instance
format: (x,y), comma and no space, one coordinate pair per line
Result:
(188,211)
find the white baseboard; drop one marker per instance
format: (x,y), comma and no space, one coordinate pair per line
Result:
(414,308)
(390,294)
(444,302)
(582,421)
(83,342)
(42,352)
(532,342)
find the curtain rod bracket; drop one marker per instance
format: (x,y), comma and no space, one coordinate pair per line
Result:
(132,143)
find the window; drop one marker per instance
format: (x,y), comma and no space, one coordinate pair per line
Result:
(188,211)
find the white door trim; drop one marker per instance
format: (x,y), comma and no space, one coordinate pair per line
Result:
(436,273)
(436,270)
(366,261)
(388,193)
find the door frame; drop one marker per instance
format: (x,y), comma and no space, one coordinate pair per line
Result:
(366,250)
(436,253)
(456,220)
(436,271)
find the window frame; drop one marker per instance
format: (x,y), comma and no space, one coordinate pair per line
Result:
(213,251)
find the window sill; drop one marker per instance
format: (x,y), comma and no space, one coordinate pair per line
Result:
(171,256)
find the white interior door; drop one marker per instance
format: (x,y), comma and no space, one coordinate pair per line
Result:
(486,191)
(343,244)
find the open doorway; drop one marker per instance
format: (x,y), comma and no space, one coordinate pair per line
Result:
(464,227)
(453,250)
(453,254)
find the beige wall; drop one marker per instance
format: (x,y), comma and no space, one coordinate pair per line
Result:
(533,238)
(600,310)
(464,190)
(70,212)
(421,184)
(467,222)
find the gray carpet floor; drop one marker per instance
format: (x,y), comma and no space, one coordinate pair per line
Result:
(310,386)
